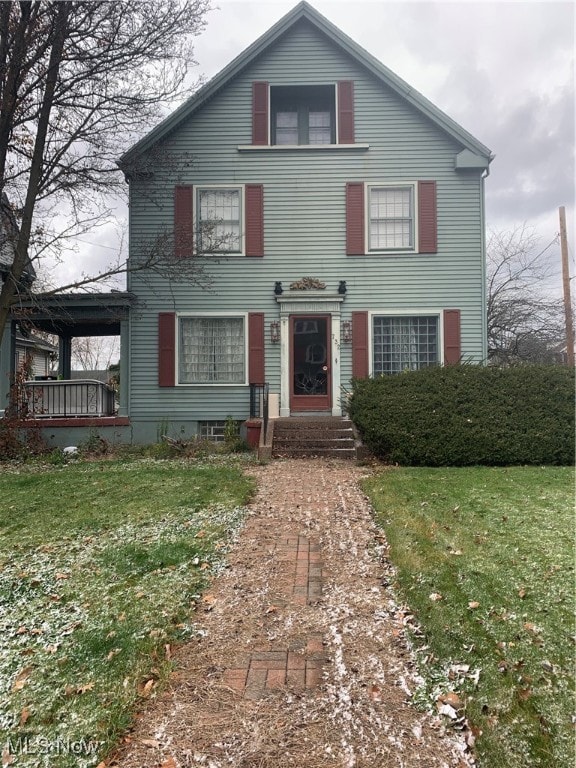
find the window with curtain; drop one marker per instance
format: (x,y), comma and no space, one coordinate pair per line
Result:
(391,218)
(218,220)
(212,350)
(404,343)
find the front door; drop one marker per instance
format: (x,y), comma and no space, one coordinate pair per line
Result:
(310,356)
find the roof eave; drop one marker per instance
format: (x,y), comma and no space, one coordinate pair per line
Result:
(232,69)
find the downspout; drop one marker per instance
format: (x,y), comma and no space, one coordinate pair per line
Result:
(483,177)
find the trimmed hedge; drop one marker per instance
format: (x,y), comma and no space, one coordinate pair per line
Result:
(465,415)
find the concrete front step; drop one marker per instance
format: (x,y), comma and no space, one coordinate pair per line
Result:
(319,441)
(303,453)
(301,422)
(314,436)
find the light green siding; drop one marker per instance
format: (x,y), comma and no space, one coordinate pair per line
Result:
(304,222)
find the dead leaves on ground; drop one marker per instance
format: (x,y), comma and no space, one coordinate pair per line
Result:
(208,602)
(145,688)
(72,690)
(24,716)
(21,679)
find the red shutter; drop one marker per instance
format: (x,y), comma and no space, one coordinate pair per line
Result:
(254,219)
(166,349)
(346,112)
(260,113)
(355,218)
(183,222)
(360,356)
(427,228)
(452,350)
(256,371)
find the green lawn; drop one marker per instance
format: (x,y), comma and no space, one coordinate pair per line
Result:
(100,567)
(485,560)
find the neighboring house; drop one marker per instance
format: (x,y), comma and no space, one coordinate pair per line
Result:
(57,401)
(42,355)
(8,235)
(345,214)
(14,346)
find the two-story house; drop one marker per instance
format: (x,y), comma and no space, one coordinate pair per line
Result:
(339,216)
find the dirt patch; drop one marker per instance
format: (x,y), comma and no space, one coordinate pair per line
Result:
(300,657)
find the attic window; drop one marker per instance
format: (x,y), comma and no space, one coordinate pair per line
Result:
(303,114)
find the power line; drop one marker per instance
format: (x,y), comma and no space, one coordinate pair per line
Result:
(97,245)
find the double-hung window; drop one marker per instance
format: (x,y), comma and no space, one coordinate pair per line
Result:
(219,219)
(303,114)
(404,343)
(212,350)
(391,218)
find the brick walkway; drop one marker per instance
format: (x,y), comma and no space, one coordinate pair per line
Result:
(298,666)
(301,557)
(262,672)
(300,658)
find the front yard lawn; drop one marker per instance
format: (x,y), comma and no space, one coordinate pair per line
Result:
(101,564)
(485,560)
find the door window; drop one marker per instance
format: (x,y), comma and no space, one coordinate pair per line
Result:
(309,356)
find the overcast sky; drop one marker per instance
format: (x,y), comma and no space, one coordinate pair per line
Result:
(502,70)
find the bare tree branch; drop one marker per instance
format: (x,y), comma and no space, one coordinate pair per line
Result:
(524,320)
(80,81)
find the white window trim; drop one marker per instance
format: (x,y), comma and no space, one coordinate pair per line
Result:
(413,185)
(336,114)
(184,315)
(439,313)
(302,147)
(235,187)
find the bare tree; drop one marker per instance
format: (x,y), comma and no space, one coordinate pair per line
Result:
(525,320)
(94,353)
(79,81)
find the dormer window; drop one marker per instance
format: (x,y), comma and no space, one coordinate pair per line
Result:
(303,114)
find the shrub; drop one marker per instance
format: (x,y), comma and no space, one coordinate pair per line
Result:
(19,439)
(466,415)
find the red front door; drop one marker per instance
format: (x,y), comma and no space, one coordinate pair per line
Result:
(310,355)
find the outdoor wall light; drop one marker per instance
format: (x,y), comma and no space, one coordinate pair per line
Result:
(278,288)
(342,287)
(275,332)
(347,331)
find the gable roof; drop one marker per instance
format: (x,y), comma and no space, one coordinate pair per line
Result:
(31,340)
(305,11)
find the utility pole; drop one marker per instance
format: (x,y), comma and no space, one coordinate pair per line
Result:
(566,285)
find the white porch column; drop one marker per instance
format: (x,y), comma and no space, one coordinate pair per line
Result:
(335,362)
(284,364)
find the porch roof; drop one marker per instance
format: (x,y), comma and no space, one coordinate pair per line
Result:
(76,314)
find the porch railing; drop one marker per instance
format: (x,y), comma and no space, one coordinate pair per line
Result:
(259,403)
(67,399)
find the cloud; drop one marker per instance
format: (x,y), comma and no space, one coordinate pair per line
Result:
(534,167)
